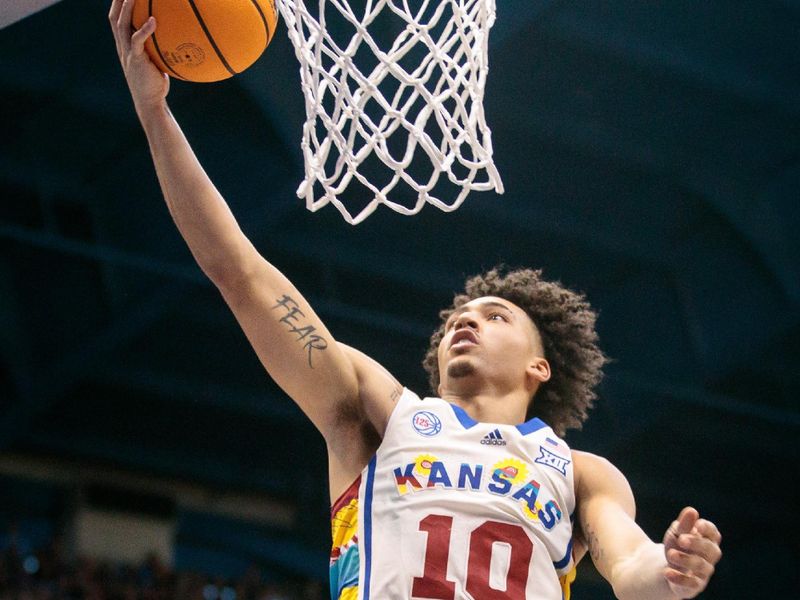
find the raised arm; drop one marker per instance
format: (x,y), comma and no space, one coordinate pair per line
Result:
(328,381)
(636,567)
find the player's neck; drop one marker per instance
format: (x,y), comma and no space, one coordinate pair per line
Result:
(491,407)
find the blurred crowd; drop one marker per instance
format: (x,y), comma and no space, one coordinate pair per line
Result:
(45,574)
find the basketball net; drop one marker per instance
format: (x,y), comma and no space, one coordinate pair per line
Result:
(419,96)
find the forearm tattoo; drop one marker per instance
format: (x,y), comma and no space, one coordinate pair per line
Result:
(306,334)
(595,551)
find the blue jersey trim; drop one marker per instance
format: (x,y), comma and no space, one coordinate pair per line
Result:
(368,525)
(527,427)
(564,561)
(466,421)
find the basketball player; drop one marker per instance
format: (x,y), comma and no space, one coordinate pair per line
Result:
(463,496)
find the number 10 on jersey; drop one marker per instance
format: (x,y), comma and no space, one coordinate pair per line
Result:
(434,585)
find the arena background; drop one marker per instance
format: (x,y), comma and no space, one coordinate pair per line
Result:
(651,157)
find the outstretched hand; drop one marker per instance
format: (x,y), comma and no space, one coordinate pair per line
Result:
(692,547)
(148,85)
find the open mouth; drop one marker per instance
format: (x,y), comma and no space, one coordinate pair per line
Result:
(464,337)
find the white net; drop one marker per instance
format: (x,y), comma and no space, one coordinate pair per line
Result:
(394,100)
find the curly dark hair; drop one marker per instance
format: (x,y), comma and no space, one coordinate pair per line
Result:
(566,324)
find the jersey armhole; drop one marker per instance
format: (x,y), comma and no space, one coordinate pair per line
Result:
(352,489)
(346,496)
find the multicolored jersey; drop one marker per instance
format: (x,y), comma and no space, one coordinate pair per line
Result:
(452,508)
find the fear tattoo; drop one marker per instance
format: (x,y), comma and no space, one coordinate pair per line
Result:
(306,334)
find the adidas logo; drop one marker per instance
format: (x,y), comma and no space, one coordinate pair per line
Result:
(493,438)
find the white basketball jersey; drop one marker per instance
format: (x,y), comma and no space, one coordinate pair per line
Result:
(449,508)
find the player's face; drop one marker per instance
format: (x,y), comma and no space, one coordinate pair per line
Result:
(493,340)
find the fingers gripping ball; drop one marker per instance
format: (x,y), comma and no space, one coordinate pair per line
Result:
(206,40)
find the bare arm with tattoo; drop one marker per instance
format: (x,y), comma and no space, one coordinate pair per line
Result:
(291,341)
(635,566)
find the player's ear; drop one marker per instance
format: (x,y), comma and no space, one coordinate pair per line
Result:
(539,370)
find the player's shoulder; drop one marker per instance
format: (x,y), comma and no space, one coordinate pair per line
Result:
(589,460)
(595,473)
(378,390)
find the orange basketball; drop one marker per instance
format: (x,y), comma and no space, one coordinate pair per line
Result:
(207,40)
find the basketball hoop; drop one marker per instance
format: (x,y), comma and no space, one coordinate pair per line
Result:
(397,87)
